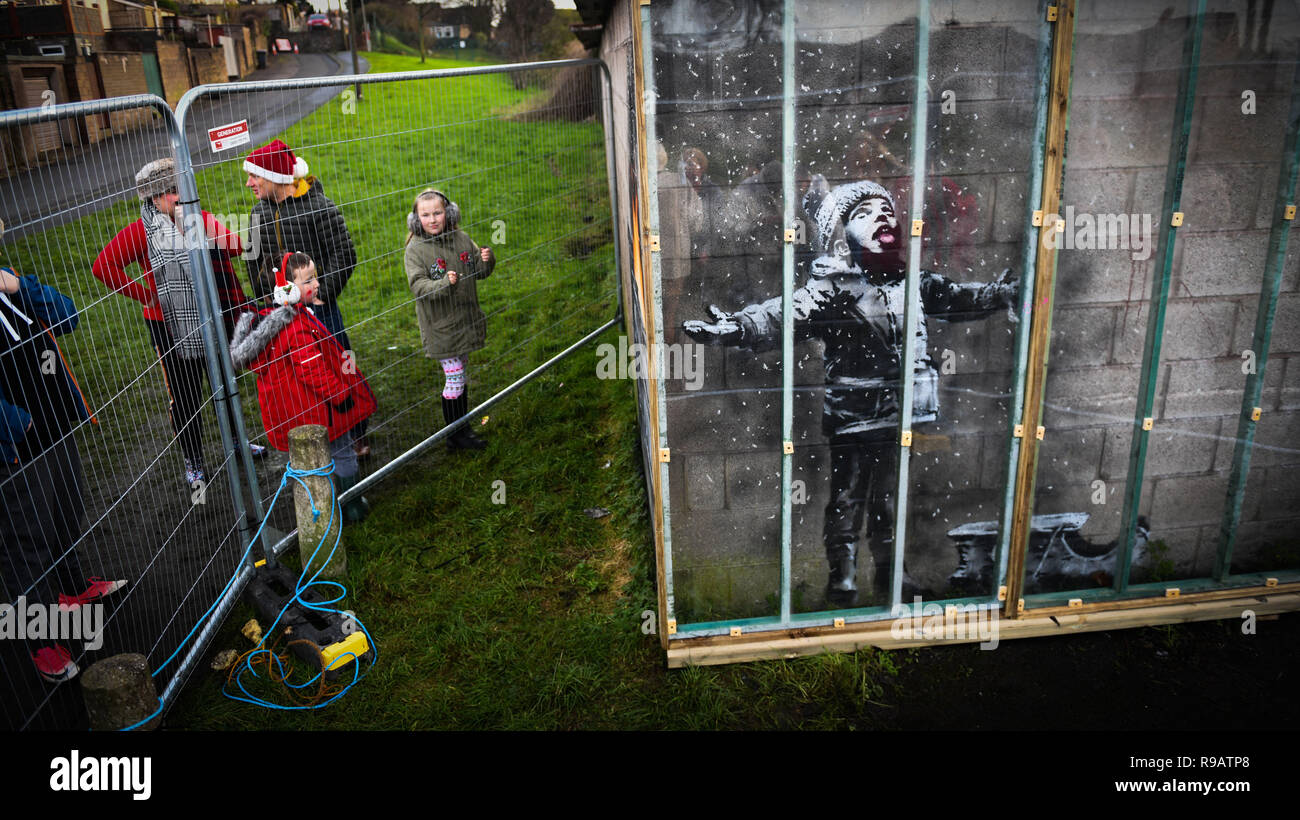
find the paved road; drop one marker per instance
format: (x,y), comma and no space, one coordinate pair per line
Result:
(99,175)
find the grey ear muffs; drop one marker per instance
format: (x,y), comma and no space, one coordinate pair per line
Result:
(451,209)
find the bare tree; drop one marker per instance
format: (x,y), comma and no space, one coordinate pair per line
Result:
(426,11)
(519,22)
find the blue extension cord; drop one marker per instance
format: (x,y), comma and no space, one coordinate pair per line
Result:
(300,587)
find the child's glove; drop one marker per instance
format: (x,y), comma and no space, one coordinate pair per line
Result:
(345,405)
(724,329)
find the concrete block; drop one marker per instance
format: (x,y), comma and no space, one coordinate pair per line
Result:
(966,407)
(1286,326)
(1084,276)
(1184,547)
(1223,133)
(946,464)
(1098,192)
(1218,264)
(1103,521)
(1119,133)
(888,65)
(1178,502)
(1277,440)
(713,593)
(1289,392)
(1185,447)
(1266,545)
(1148,193)
(754,481)
(1082,336)
(966,60)
(993,474)
(1212,387)
(1105,63)
(732,421)
(724,538)
(1087,397)
(1194,329)
(1012,209)
(1279,493)
(1220,197)
(1019,79)
(704,481)
(1069,457)
(986,137)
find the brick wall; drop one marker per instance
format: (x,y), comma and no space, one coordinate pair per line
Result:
(209,65)
(123,74)
(719,91)
(173,63)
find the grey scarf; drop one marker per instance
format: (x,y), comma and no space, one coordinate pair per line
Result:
(171,274)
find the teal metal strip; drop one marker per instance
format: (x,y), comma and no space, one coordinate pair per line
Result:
(1157,589)
(1264,316)
(1029,266)
(807,620)
(912,303)
(1174,173)
(656,276)
(787,297)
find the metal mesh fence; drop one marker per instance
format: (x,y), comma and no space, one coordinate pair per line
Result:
(158,481)
(114,465)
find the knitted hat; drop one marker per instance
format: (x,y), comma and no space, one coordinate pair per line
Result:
(840,202)
(273,161)
(285,293)
(155,178)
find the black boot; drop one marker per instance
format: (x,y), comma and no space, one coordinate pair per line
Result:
(842,582)
(465,436)
(882,555)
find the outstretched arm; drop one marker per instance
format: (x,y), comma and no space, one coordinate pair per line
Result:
(953,302)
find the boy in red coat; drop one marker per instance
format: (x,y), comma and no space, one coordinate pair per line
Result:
(303,375)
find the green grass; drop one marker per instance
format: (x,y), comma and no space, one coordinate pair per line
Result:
(523,615)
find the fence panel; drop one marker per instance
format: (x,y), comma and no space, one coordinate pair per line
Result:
(519,149)
(116,447)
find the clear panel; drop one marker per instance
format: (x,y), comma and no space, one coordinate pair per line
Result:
(1228,198)
(983,78)
(1127,60)
(856,72)
(717,75)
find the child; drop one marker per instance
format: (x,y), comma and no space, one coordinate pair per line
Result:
(303,376)
(853,301)
(443,267)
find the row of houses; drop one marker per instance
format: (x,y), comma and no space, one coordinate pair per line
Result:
(75,50)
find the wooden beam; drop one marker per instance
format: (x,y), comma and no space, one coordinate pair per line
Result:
(880,633)
(1040,331)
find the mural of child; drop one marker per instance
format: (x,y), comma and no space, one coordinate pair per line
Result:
(853,301)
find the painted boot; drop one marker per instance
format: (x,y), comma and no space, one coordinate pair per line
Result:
(842,582)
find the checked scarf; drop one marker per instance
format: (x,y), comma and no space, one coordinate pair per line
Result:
(171,275)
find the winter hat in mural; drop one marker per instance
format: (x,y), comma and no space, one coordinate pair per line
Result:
(275,161)
(839,203)
(155,178)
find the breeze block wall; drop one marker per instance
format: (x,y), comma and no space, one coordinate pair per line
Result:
(718,83)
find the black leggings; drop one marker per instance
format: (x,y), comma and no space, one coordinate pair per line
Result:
(186,381)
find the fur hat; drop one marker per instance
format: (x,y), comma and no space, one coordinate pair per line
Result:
(155,178)
(839,203)
(273,161)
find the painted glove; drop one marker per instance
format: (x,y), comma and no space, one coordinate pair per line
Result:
(724,329)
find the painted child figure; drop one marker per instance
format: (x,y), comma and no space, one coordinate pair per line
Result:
(303,374)
(853,301)
(443,266)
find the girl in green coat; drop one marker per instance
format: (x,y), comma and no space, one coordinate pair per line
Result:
(443,266)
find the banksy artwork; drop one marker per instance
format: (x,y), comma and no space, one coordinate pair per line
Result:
(853,301)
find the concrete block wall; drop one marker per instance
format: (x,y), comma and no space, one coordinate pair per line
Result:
(122,73)
(719,90)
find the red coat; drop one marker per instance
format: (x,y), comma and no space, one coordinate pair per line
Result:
(303,375)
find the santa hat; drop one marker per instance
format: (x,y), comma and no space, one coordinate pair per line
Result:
(285,293)
(273,161)
(840,202)
(156,178)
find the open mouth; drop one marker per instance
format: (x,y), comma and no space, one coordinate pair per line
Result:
(886,237)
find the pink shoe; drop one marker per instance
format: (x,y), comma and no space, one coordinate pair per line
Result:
(99,588)
(55,664)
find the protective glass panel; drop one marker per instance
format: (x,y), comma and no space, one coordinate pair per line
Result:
(1228,196)
(1126,64)
(717,76)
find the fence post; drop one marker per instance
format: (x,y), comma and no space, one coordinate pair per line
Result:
(309,449)
(119,692)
